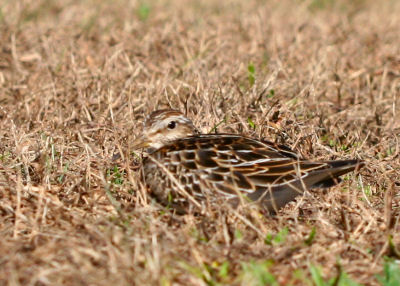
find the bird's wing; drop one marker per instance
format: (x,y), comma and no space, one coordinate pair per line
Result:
(235,163)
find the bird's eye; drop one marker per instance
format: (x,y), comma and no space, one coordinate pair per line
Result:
(172,125)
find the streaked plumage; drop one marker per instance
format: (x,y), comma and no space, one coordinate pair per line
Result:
(187,170)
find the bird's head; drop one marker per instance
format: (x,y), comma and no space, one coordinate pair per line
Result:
(162,127)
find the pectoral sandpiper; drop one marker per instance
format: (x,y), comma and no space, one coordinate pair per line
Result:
(190,171)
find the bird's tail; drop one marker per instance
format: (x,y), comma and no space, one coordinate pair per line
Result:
(330,176)
(279,196)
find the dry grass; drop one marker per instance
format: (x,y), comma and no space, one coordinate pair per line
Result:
(77,78)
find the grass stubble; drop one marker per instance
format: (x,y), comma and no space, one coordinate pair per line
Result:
(77,78)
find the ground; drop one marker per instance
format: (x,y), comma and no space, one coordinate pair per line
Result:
(77,79)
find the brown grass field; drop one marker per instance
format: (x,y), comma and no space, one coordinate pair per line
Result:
(77,79)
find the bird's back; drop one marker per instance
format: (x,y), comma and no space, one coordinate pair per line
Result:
(200,169)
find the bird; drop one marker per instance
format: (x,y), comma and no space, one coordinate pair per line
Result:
(190,171)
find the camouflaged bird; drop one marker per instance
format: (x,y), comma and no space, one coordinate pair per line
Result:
(189,171)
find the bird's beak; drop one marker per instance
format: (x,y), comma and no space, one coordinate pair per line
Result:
(140,142)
